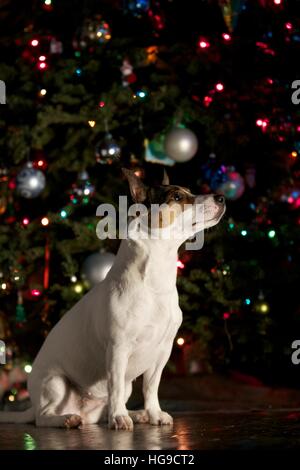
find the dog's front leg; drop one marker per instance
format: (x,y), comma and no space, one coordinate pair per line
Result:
(151,380)
(117,360)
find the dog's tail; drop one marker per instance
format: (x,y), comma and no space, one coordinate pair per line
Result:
(17,417)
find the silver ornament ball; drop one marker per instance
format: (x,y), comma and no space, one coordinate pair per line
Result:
(96,267)
(181,144)
(30,182)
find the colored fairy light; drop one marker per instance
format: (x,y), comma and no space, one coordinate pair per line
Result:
(63,213)
(101,104)
(34,42)
(226,315)
(78,71)
(288,25)
(219,86)
(47,2)
(226,37)
(244,233)
(25,221)
(247,301)
(203,44)
(28,368)
(11,398)
(92,123)
(259,122)
(141,94)
(45,221)
(264,307)
(231,226)
(271,233)
(42,65)
(179,264)
(294,154)
(277,2)
(262,123)
(180,341)
(207,101)
(78,288)
(43,92)
(42,58)
(35,292)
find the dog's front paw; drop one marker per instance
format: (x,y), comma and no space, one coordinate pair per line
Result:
(119,422)
(160,418)
(72,421)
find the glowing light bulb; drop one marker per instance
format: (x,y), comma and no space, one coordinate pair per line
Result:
(294,154)
(35,292)
(219,87)
(247,301)
(259,122)
(101,104)
(48,2)
(264,307)
(3,285)
(42,65)
(289,26)
(73,278)
(45,221)
(63,213)
(203,44)
(42,58)
(25,221)
(28,368)
(226,37)
(43,92)
(226,315)
(277,2)
(11,398)
(78,288)
(92,123)
(180,341)
(179,264)
(244,233)
(271,234)
(34,42)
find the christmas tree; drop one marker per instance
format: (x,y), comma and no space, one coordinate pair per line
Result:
(98,85)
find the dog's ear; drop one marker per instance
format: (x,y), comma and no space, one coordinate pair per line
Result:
(165,181)
(138,190)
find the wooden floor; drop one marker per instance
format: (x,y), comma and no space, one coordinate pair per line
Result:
(278,429)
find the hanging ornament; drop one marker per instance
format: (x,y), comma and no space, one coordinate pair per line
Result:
(229,182)
(128,76)
(181,144)
(83,189)
(30,182)
(231,10)
(137,7)
(107,150)
(20,311)
(155,152)
(96,267)
(94,31)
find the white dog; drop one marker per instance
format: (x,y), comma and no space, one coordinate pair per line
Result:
(122,328)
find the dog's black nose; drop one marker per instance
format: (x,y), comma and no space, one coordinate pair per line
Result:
(219,199)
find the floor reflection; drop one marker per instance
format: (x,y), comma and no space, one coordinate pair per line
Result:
(203,431)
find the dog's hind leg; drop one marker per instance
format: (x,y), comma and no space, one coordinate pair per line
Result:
(54,402)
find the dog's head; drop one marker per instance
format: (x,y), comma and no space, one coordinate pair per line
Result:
(178,210)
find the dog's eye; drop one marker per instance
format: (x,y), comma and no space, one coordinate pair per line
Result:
(177,197)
